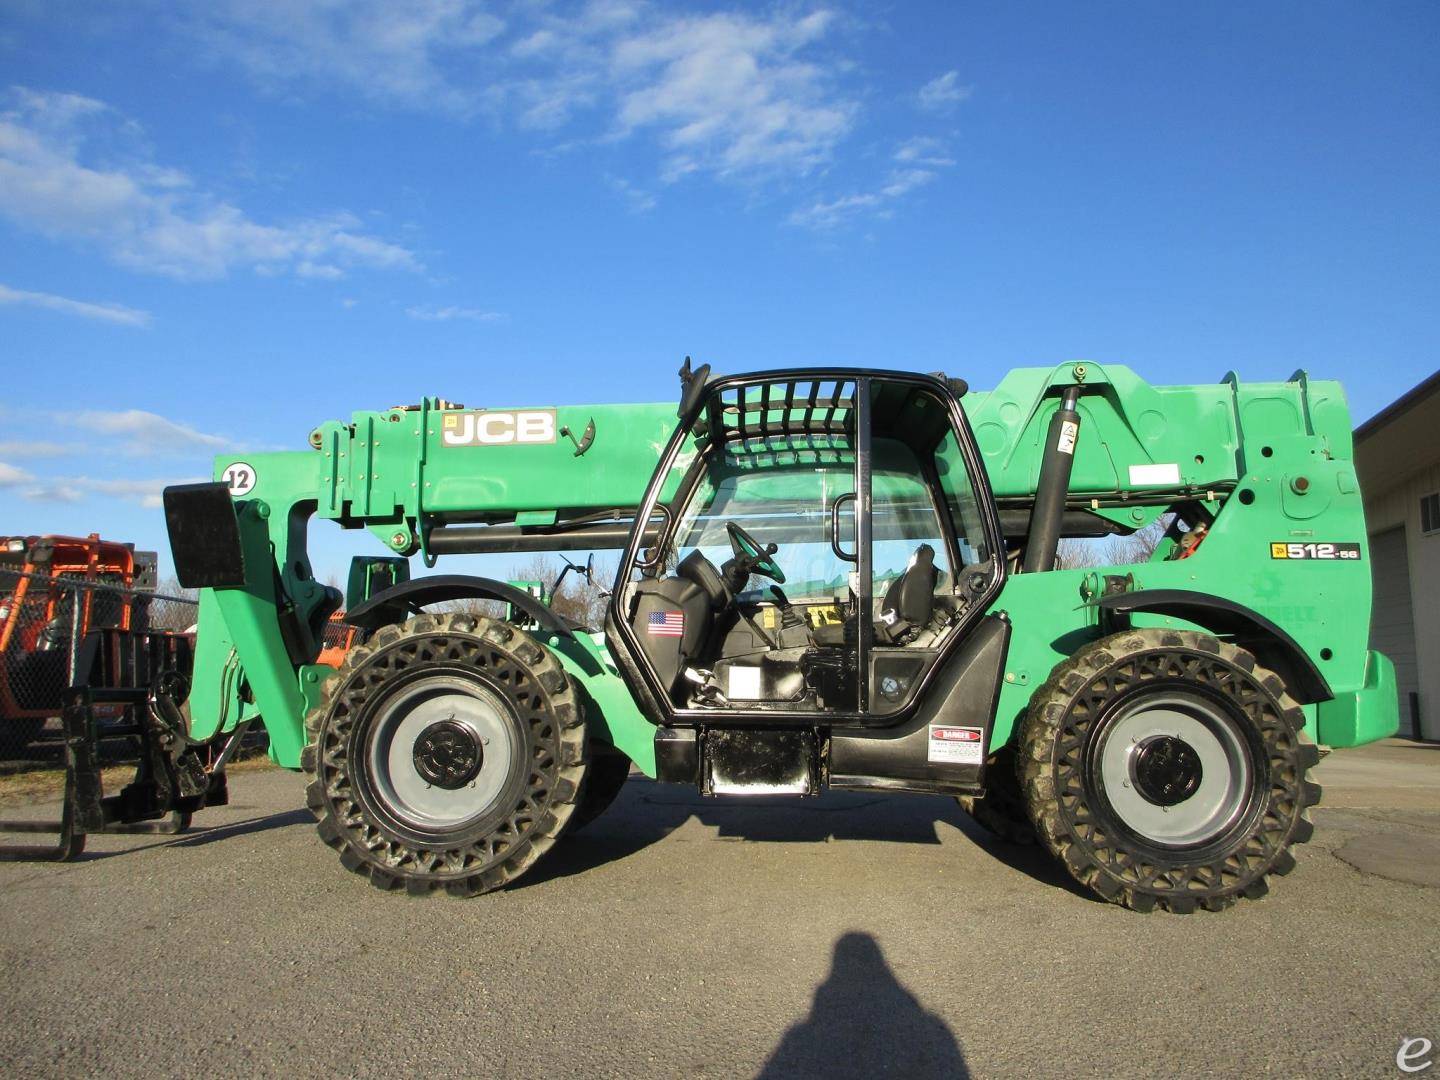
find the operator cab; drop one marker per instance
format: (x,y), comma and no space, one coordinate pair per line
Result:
(824,538)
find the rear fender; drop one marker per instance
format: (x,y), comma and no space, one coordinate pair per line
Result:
(1271,645)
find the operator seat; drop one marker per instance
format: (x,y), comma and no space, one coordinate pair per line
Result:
(907,606)
(676,617)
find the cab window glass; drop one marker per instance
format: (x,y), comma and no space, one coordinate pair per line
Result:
(960,503)
(783,504)
(903,516)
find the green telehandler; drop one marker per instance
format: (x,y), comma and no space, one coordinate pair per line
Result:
(827,578)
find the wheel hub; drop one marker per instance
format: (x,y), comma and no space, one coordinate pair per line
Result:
(1166,770)
(448,755)
(439,752)
(1174,769)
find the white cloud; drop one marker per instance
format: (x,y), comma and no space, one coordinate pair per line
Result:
(732,93)
(147,493)
(10,476)
(54,491)
(943,92)
(151,217)
(904,181)
(923,150)
(637,199)
(143,493)
(60,110)
(36,448)
(829,214)
(393,51)
(114,313)
(142,433)
(445,314)
(917,163)
(826,215)
(321,271)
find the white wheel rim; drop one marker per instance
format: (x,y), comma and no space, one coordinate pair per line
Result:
(1222,793)
(398,726)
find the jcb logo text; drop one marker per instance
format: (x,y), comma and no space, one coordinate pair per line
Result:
(485,427)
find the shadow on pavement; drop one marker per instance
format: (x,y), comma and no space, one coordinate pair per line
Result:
(863,1022)
(196,837)
(243,828)
(646,812)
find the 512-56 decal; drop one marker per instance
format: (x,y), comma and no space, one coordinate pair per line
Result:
(1310,550)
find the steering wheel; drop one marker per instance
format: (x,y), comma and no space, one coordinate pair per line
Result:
(758,557)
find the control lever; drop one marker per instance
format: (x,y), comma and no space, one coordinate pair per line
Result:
(788,615)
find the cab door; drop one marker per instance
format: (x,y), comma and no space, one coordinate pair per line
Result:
(932,537)
(851,466)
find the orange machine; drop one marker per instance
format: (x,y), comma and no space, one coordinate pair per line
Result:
(339,636)
(49,600)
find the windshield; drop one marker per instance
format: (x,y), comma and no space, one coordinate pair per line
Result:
(786,500)
(783,504)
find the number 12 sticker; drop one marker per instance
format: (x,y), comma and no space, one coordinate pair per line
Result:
(239,478)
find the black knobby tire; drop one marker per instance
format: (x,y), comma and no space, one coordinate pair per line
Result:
(358,750)
(609,769)
(1001,810)
(1066,757)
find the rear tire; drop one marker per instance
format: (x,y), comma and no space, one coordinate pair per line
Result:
(1167,768)
(448,752)
(1001,810)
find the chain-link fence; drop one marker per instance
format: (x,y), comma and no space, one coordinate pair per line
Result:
(43,623)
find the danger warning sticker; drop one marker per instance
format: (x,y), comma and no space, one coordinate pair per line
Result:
(957,745)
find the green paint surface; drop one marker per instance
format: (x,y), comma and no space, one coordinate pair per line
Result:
(1272,459)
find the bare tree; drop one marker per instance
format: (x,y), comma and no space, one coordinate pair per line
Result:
(1125,550)
(581,597)
(470,605)
(170,607)
(171,587)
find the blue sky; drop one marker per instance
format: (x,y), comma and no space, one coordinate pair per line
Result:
(223,222)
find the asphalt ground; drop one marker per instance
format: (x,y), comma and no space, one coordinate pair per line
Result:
(849,935)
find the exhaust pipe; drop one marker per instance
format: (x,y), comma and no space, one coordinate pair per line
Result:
(1054,485)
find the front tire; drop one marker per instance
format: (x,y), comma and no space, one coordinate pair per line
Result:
(1168,768)
(609,769)
(448,752)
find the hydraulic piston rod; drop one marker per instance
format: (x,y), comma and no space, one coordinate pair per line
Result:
(1054,484)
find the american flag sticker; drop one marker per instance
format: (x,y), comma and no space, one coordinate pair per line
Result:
(666,624)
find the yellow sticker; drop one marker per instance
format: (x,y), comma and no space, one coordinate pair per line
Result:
(769,618)
(1279,551)
(822,615)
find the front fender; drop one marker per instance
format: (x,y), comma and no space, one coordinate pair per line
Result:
(395,604)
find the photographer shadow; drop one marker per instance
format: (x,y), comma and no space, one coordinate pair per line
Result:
(863,1022)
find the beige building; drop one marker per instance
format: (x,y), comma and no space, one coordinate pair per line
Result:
(1397,456)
